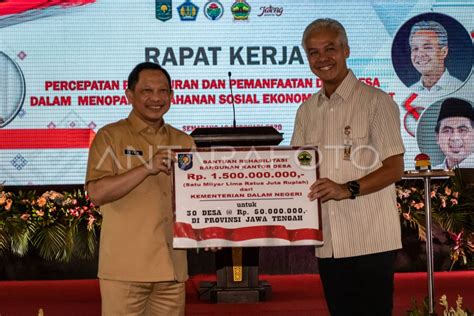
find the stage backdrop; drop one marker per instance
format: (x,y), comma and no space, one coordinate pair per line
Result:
(64,66)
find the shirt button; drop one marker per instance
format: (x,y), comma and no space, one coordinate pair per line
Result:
(165,193)
(165,219)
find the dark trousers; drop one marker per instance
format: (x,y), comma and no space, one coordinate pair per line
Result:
(359,286)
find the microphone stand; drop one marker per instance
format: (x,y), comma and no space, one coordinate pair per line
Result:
(232,94)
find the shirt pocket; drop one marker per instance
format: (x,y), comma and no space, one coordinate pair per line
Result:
(364,155)
(311,139)
(129,157)
(313,134)
(360,129)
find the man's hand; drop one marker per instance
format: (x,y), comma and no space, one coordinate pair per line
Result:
(325,189)
(390,172)
(161,162)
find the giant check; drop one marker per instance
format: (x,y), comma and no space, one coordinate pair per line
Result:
(245,197)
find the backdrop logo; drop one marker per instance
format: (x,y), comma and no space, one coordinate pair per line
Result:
(213,10)
(188,11)
(270,11)
(12,89)
(240,10)
(163,10)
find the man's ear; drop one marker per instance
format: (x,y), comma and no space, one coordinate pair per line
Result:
(347,51)
(129,94)
(444,51)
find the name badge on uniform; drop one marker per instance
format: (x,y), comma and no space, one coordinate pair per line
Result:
(131,152)
(347,143)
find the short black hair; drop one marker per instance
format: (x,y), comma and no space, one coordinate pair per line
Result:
(135,73)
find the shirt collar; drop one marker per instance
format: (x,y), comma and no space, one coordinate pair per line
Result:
(139,125)
(468,162)
(442,83)
(345,89)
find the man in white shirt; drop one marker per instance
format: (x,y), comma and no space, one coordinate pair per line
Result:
(429,49)
(455,133)
(357,131)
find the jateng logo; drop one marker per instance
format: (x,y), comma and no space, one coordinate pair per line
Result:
(188,11)
(213,10)
(163,10)
(270,11)
(240,10)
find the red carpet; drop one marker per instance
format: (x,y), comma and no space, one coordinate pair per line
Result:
(292,295)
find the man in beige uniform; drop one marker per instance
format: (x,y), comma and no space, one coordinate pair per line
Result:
(128,175)
(357,130)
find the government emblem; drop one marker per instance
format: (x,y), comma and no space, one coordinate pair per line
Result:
(12,90)
(185,161)
(163,10)
(213,10)
(240,10)
(305,158)
(188,11)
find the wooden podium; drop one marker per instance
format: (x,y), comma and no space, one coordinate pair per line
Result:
(236,268)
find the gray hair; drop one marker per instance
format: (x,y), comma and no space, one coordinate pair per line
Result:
(326,24)
(433,26)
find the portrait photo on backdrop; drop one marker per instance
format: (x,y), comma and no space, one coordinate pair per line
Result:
(446,133)
(432,54)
